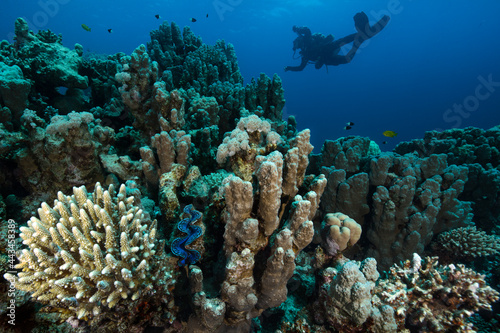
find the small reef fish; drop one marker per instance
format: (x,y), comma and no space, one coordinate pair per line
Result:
(110,30)
(384,143)
(157,16)
(350,123)
(207,15)
(193,19)
(390,134)
(347,127)
(86,27)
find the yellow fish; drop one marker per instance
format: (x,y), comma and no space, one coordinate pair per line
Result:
(86,27)
(390,134)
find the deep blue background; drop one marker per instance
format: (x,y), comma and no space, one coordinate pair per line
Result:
(427,59)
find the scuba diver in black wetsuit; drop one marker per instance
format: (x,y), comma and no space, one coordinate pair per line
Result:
(324,50)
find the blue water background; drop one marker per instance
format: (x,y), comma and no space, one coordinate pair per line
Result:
(430,57)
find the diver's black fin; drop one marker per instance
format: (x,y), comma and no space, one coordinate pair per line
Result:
(364,29)
(361,22)
(363,26)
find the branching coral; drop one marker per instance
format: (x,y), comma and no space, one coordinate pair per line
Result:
(90,252)
(419,295)
(466,243)
(434,298)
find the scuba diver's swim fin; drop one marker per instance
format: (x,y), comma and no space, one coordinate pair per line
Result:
(363,27)
(361,22)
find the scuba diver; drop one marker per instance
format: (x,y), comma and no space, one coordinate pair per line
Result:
(324,50)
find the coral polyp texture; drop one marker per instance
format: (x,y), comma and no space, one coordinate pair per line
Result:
(88,253)
(214,213)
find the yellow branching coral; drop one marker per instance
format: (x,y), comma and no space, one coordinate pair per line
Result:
(88,252)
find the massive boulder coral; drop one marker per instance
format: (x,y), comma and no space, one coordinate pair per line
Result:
(338,232)
(344,154)
(49,63)
(55,154)
(347,299)
(91,254)
(461,146)
(14,88)
(252,136)
(418,200)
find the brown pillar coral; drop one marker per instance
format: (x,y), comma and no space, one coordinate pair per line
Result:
(414,200)
(170,147)
(258,241)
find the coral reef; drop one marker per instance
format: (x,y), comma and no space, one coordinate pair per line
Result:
(252,214)
(55,66)
(273,237)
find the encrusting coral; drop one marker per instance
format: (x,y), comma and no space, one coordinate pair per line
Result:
(88,254)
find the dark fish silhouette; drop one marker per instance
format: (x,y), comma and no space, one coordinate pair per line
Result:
(157,16)
(347,127)
(207,15)
(350,123)
(110,30)
(385,142)
(193,19)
